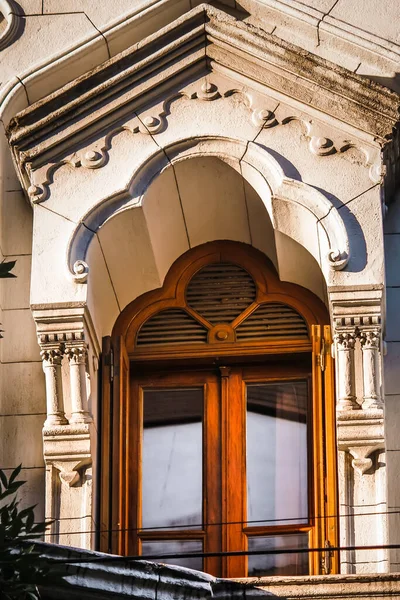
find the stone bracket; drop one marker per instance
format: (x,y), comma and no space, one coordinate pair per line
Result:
(360,434)
(67,448)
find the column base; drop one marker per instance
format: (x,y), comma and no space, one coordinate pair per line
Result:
(81,417)
(55,419)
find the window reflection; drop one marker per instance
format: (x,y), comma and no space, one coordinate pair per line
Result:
(159,548)
(172,457)
(276,453)
(278,564)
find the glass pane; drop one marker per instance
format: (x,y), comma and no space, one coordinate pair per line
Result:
(174,547)
(278,564)
(172,461)
(276,453)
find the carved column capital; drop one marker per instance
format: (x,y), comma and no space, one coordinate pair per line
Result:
(345,340)
(52,354)
(370,339)
(76,354)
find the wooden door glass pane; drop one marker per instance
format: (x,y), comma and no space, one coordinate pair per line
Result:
(174,547)
(276,453)
(172,458)
(278,564)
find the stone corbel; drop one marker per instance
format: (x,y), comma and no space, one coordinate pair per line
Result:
(68,450)
(361,434)
(70,471)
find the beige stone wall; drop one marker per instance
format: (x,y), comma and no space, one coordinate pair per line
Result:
(22,393)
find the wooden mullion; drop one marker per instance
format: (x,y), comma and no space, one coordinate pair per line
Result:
(134,464)
(233,470)
(187,534)
(212,514)
(276,529)
(318,474)
(331,485)
(105,448)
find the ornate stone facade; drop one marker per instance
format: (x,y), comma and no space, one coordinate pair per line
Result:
(302,151)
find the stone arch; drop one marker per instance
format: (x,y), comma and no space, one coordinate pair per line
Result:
(293,206)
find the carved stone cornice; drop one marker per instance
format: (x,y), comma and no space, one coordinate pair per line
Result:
(204,36)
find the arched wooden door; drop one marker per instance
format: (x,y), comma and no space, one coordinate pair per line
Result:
(218,433)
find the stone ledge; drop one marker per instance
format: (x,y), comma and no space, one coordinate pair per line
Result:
(331,586)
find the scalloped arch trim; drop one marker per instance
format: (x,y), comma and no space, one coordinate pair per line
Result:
(292,205)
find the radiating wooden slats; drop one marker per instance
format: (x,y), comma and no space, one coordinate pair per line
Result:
(171,326)
(220,292)
(273,320)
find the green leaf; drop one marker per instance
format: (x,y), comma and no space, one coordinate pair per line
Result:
(16,485)
(3,479)
(15,473)
(5,268)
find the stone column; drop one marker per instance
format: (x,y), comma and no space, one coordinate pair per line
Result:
(77,355)
(52,357)
(346,397)
(370,344)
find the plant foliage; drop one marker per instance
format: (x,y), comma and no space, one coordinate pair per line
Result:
(21,568)
(5,268)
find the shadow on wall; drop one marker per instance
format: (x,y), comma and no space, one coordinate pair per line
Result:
(358,247)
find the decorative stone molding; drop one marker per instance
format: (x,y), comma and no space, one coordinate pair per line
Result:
(11,13)
(202,33)
(287,194)
(98,154)
(81,271)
